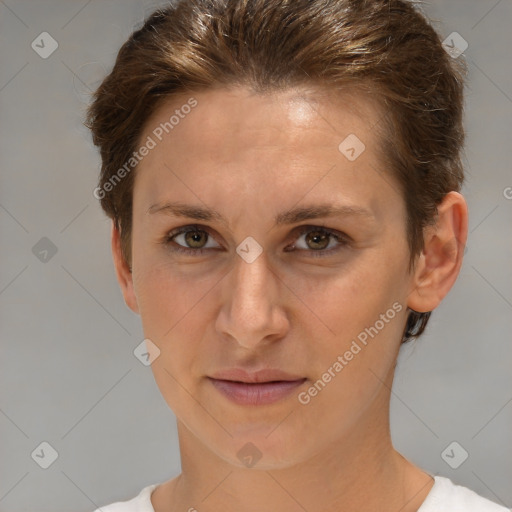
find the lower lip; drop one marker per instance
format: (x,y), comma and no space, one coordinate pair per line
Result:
(256,394)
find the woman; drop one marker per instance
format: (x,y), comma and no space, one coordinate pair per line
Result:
(283,179)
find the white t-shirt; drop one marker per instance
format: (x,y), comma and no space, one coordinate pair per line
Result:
(444,496)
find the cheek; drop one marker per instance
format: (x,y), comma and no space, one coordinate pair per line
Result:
(163,293)
(171,308)
(166,300)
(352,298)
(359,314)
(175,309)
(365,312)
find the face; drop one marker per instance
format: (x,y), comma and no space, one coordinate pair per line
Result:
(271,279)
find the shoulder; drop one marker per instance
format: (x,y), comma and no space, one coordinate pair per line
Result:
(445,495)
(140,503)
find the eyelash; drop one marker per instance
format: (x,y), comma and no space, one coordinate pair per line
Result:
(341,238)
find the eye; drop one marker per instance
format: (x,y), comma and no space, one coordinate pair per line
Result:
(193,237)
(319,240)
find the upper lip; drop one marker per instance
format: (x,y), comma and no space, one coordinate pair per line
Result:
(264,375)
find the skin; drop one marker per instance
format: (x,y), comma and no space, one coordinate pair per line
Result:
(250,157)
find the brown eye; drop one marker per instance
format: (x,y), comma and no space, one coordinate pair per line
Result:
(196,239)
(319,241)
(190,240)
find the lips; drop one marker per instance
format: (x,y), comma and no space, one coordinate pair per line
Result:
(257,388)
(265,375)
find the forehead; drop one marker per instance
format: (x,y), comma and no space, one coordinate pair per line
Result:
(251,156)
(235,142)
(225,107)
(228,122)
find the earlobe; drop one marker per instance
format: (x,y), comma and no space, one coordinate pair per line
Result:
(439,263)
(123,271)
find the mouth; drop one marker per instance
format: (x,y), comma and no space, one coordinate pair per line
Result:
(260,388)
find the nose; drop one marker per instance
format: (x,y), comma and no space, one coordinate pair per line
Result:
(251,312)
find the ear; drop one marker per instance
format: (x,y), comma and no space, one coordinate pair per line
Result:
(439,263)
(123,272)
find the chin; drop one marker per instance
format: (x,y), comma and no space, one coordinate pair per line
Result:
(262,447)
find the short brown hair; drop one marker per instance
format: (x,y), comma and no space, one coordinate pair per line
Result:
(386,47)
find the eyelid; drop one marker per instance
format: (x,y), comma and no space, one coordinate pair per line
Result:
(342,239)
(184,229)
(311,227)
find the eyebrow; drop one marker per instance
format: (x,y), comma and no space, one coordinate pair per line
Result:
(292,216)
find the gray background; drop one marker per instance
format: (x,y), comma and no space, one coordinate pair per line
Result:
(68,374)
